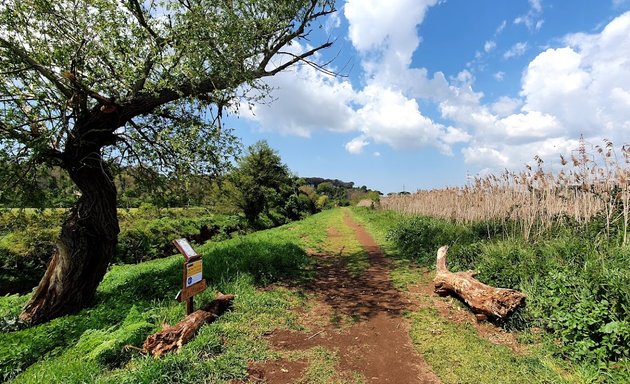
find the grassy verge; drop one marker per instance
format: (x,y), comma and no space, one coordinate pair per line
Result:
(459,356)
(455,351)
(134,300)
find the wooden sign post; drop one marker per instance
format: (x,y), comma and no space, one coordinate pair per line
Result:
(193,281)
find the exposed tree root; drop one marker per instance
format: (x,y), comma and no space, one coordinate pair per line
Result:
(172,337)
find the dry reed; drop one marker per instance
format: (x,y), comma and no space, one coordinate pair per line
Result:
(593,182)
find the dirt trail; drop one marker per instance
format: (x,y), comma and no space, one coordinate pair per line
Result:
(376,345)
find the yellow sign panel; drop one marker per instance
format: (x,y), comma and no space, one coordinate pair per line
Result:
(193,272)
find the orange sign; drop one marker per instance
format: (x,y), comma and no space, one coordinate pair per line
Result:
(193,273)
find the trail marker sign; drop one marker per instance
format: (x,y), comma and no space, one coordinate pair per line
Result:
(193,281)
(185,248)
(193,273)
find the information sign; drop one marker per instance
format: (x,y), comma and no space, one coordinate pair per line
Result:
(193,272)
(184,247)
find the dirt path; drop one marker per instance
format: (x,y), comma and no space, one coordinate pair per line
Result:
(375,345)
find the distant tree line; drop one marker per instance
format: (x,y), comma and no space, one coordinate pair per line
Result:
(259,186)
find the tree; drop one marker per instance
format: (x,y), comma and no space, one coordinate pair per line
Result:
(87,82)
(260,179)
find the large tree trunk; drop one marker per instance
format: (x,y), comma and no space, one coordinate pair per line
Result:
(496,303)
(86,245)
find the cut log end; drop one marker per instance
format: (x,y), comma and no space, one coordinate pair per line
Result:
(495,303)
(172,337)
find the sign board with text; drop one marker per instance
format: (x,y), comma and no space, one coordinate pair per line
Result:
(193,281)
(193,273)
(185,248)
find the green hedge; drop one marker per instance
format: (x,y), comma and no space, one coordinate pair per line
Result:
(27,244)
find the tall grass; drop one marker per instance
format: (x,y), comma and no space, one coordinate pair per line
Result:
(593,184)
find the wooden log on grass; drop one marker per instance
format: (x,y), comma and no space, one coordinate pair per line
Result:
(495,303)
(172,337)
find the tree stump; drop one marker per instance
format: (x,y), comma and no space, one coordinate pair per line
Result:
(172,337)
(495,303)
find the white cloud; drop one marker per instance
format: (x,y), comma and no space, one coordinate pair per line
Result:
(515,156)
(516,50)
(374,23)
(501,27)
(505,106)
(532,19)
(356,145)
(333,22)
(582,88)
(485,156)
(389,117)
(528,127)
(304,100)
(584,84)
(499,76)
(489,46)
(536,5)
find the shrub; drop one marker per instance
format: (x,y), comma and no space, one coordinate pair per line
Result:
(23,257)
(419,238)
(578,287)
(27,245)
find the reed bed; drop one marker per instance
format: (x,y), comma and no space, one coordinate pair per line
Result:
(592,182)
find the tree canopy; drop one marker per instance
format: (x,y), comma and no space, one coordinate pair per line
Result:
(84,83)
(148,78)
(262,180)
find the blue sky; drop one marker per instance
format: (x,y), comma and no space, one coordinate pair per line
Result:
(435,91)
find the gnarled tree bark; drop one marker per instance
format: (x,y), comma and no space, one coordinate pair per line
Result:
(85,247)
(496,303)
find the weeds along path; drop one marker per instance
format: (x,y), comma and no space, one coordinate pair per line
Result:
(357,314)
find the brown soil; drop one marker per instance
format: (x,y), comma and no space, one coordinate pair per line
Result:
(363,324)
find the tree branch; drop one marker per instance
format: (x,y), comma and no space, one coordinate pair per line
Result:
(22,54)
(297,58)
(281,41)
(136,10)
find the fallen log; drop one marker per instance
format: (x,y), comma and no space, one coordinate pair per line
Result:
(172,337)
(495,303)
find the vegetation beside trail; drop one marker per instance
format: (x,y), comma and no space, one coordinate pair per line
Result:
(577,282)
(28,238)
(134,300)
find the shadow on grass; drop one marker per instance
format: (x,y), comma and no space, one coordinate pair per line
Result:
(143,286)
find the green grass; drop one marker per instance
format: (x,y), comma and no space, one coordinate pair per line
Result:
(459,356)
(134,300)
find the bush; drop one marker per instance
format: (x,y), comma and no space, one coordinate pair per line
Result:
(578,288)
(23,257)
(419,238)
(27,244)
